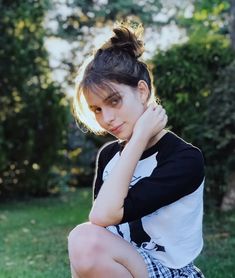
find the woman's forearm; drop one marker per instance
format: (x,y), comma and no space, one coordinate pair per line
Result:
(108,207)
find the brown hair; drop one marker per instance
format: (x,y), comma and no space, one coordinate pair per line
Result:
(116,61)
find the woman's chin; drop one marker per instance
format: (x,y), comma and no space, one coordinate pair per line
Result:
(124,137)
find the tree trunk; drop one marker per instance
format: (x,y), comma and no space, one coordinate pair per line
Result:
(232,23)
(228,202)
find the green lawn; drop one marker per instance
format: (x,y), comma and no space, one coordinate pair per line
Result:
(33,238)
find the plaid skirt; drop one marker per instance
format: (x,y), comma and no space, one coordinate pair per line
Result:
(157,270)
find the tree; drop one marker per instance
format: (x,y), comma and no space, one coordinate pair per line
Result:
(79,26)
(186,80)
(225,87)
(221,133)
(232,23)
(208,18)
(33,112)
(185,75)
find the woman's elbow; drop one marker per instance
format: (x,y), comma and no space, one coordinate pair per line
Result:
(97,219)
(104,220)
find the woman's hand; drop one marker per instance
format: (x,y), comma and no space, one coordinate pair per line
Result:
(151,122)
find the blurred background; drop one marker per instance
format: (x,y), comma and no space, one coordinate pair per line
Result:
(190,47)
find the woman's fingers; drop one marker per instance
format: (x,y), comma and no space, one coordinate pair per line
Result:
(153,120)
(161,117)
(157,112)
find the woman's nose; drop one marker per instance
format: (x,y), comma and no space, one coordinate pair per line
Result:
(108,115)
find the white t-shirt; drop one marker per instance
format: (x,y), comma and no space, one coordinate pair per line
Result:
(164,207)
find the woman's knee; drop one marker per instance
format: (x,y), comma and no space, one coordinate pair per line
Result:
(84,245)
(81,237)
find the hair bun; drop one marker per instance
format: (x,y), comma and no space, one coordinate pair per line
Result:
(126,40)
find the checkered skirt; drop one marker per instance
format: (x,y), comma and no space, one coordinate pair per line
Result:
(157,270)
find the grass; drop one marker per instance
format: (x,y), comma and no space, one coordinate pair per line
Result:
(217,259)
(33,237)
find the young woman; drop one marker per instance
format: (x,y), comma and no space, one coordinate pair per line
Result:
(146,218)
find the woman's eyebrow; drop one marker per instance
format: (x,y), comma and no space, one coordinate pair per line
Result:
(111,96)
(92,106)
(105,100)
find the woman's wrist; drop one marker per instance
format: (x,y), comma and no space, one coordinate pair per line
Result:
(138,140)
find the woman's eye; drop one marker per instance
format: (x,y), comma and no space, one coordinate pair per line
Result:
(97,110)
(114,102)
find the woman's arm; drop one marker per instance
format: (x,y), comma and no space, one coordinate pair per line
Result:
(179,172)
(108,206)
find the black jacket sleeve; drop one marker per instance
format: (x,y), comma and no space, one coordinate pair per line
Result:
(175,176)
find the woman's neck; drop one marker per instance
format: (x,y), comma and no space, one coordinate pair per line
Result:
(155,139)
(151,142)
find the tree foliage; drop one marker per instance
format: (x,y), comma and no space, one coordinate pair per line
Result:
(87,14)
(186,74)
(186,77)
(33,112)
(219,133)
(208,18)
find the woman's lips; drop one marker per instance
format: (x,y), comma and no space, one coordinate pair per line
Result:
(116,129)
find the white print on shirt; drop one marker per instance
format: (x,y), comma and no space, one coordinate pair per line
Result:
(143,169)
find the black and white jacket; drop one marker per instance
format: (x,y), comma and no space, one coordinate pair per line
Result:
(164,206)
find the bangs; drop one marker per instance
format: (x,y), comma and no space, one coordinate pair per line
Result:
(82,112)
(103,89)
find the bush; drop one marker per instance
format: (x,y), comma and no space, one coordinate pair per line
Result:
(33,114)
(185,76)
(219,130)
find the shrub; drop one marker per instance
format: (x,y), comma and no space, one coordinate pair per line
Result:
(33,114)
(185,77)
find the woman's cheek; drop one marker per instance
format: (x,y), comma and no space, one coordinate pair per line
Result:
(98,118)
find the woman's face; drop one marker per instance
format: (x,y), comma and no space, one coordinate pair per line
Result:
(117,112)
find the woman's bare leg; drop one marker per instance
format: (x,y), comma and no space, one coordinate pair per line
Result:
(73,272)
(96,252)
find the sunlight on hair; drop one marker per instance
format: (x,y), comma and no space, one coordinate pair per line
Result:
(81,70)
(83,114)
(81,111)
(135,27)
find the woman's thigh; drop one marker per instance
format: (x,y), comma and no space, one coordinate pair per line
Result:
(89,242)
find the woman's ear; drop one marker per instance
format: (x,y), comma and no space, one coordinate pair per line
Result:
(144,92)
